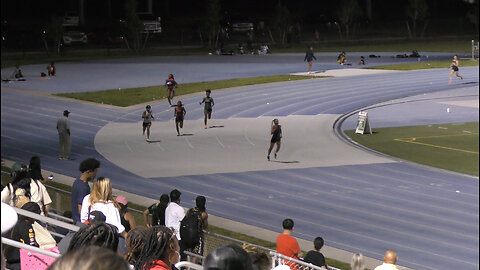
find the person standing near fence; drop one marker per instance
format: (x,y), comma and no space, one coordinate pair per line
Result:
(63,128)
(287,245)
(80,188)
(315,257)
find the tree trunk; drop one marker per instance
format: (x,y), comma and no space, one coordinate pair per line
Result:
(408,30)
(339,30)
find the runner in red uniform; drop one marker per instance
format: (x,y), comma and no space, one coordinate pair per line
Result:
(171,84)
(179,114)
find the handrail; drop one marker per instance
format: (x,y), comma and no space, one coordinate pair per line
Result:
(57,216)
(16,244)
(47,219)
(275,255)
(237,240)
(191,254)
(188,265)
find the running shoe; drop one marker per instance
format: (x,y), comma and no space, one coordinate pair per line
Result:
(275,155)
(205,127)
(268,158)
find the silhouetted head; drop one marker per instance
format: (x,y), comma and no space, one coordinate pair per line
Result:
(228,257)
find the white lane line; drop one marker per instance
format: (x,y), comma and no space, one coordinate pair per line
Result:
(218,140)
(246,137)
(159,146)
(188,142)
(128,146)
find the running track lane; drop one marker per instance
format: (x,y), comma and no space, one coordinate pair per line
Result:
(367,208)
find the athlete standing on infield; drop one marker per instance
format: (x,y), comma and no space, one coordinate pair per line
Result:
(207,111)
(179,114)
(276,131)
(171,85)
(147,120)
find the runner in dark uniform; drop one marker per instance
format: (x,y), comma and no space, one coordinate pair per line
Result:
(171,85)
(276,131)
(179,114)
(309,58)
(454,69)
(147,120)
(207,111)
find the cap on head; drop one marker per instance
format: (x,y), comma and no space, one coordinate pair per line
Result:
(66,112)
(19,167)
(121,199)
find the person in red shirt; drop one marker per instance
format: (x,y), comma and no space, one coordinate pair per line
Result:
(161,250)
(287,245)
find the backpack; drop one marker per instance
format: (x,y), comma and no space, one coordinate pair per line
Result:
(191,228)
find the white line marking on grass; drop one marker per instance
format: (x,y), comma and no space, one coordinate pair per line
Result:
(466,131)
(442,128)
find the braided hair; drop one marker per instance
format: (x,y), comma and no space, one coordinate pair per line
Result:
(96,234)
(135,241)
(156,246)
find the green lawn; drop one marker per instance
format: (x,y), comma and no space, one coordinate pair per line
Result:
(427,64)
(449,146)
(132,96)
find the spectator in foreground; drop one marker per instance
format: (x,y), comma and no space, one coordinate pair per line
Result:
(90,258)
(135,242)
(357,262)
(315,257)
(24,189)
(389,261)
(127,219)
(96,233)
(8,219)
(161,250)
(192,226)
(157,210)
(80,188)
(21,232)
(95,216)
(260,259)
(229,256)
(101,199)
(287,245)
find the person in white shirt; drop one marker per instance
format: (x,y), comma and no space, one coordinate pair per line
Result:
(34,190)
(101,199)
(389,261)
(174,214)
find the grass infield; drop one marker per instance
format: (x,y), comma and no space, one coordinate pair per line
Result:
(133,96)
(427,64)
(448,146)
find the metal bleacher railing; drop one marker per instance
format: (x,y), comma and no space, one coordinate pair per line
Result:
(211,240)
